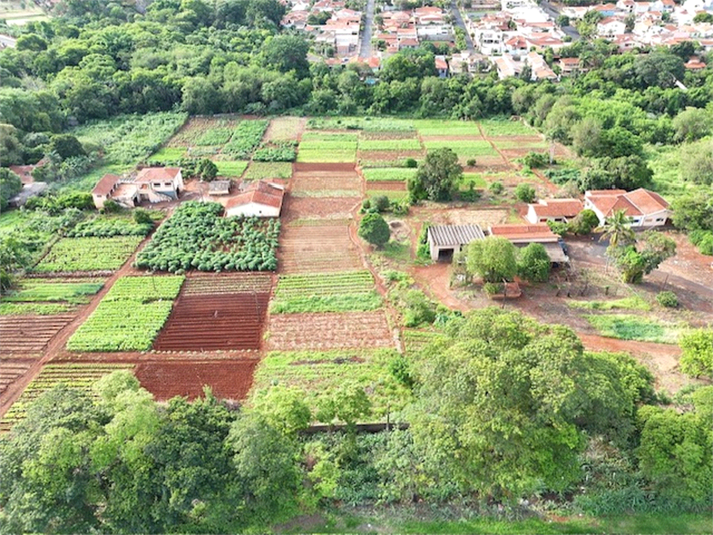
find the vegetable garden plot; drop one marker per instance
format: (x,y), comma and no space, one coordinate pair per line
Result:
(267,170)
(332,208)
(196,236)
(464,149)
(76,376)
(130,315)
(322,247)
(27,336)
(226,283)
(289,332)
(389,144)
(227,379)
(48,290)
(245,139)
(230,168)
(11,371)
(215,322)
(109,227)
(284,129)
(325,183)
(322,373)
(439,127)
(388,174)
(327,147)
(88,254)
(197,127)
(326,292)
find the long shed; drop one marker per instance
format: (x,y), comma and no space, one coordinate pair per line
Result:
(446,240)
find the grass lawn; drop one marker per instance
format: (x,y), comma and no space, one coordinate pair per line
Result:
(391,173)
(231,168)
(477,179)
(630,327)
(630,303)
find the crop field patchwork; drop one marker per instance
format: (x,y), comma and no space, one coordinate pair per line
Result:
(227,379)
(439,128)
(403,144)
(27,336)
(245,139)
(464,149)
(322,246)
(310,208)
(130,315)
(88,254)
(215,322)
(323,331)
(231,168)
(326,292)
(324,372)
(327,147)
(75,291)
(326,184)
(197,127)
(222,283)
(284,129)
(503,126)
(367,124)
(76,376)
(168,154)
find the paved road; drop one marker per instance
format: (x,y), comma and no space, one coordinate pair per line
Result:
(365,51)
(459,22)
(553,12)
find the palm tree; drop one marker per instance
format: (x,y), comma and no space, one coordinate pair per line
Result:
(617,229)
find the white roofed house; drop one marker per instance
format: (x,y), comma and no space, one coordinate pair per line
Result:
(644,208)
(610,27)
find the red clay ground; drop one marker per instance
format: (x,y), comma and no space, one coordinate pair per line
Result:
(301,167)
(318,208)
(11,370)
(319,332)
(315,248)
(227,379)
(27,336)
(214,322)
(326,181)
(387,185)
(198,283)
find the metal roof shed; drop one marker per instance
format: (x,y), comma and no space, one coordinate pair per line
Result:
(446,240)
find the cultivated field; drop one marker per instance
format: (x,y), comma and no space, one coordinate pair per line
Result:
(70,254)
(320,246)
(27,336)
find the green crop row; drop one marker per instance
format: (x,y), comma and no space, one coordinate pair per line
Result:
(326,156)
(196,236)
(324,283)
(103,227)
(262,170)
(391,173)
(32,290)
(129,317)
(328,145)
(367,124)
(88,254)
(35,309)
(230,168)
(390,144)
(246,137)
(342,302)
(329,136)
(214,136)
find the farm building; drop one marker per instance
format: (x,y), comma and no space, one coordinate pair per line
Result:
(523,235)
(157,184)
(560,210)
(27,191)
(219,187)
(644,208)
(259,199)
(446,240)
(117,189)
(24,172)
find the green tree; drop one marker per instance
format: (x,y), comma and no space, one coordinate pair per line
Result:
(692,124)
(697,163)
(697,356)
(66,146)
(284,408)
(348,404)
(287,53)
(534,263)
(675,452)
(207,170)
(617,229)
(584,223)
(10,185)
(493,259)
(437,176)
(374,229)
(694,211)
(525,192)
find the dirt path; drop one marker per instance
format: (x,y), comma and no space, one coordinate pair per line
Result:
(435,280)
(56,345)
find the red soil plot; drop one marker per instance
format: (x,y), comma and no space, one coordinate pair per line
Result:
(227,379)
(10,371)
(214,322)
(326,181)
(309,248)
(301,167)
(389,185)
(318,208)
(226,283)
(329,331)
(28,335)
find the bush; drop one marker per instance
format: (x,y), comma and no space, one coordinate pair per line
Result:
(535,160)
(470,162)
(419,309)
(411,163)
(534,263)
(667,299)
(496,188)
(558,227)
(584,223)
(525,193)
(374,229)
(493,288)
(697,356)
(380,203)
(703,239)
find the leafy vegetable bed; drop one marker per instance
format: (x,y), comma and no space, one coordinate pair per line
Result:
(630,327)
(130,315)
(38,290)
(101,227)
(388,174)
(196,236)
(262,170)
(390,144)
(246,137)
(326,292)
(88,254)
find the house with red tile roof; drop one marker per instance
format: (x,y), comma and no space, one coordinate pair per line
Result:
(258,199)
(643,207)
(559,210)
(157,184)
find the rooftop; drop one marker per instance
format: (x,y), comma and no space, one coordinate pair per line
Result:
(105,185)
(259,192)
(158,174)
(454,235)
(539,233)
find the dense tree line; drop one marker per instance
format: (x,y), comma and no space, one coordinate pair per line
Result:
(502,408)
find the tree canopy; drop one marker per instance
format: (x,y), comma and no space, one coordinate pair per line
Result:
(437,176)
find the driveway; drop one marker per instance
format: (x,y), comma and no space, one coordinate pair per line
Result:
(365,50)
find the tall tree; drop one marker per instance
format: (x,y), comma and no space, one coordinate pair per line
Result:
(437,176)
(617,229)
(493,259)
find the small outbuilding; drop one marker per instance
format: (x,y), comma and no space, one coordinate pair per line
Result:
(219,187)
(558,210)
(446,240)
(258,199)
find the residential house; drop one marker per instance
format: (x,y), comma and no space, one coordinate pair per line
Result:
(441,66)
(157,184)
(539,68)
(643,207)
(258,199)
(28,190)
(558,210)
(610,28)
(571,66)
(124,192)
(507,66)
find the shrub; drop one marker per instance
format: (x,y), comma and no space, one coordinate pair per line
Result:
(496,188)
(534,263)
(667,299)
(525,193)
(697,356)
(419,309)
(410,163)
(536,160)
(493,288)
(558,227)
(374,229)
(380,203)
(703,239)
(584,223)
(470,162)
